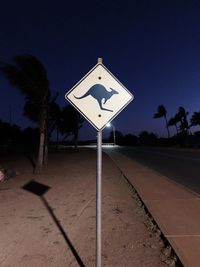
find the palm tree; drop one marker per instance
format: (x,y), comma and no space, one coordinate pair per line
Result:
(30,77)
(195,120)
(162,112)
(182,118)
(173,122)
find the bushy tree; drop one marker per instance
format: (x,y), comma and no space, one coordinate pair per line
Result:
(195,120)
(149,139)
(70,122)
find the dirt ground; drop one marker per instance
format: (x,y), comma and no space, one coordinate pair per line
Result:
(58,229)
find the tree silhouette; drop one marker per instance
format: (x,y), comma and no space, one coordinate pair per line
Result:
(149,139)
(173,122)
(30,77)
(195,120)
(162,112)
(9,133)
(182,118)
(55,115)
(70,123)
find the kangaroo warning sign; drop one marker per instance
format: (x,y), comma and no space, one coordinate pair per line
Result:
(99,96)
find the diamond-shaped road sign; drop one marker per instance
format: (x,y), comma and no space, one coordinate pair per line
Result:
(99,96)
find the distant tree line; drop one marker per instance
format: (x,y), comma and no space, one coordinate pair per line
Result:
(182,124)
(144,138)
(183,136)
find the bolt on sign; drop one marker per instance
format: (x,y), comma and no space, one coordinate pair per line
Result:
(99,96)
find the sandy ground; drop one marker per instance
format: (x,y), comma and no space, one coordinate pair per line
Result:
(58,229)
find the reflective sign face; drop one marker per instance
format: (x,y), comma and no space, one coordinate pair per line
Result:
(99,96)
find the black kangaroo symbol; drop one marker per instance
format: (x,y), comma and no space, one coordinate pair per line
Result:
(99,93)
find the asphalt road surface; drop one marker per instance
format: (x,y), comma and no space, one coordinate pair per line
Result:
(179,165)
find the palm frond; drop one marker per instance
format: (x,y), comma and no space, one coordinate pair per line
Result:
(161,111)
(15,76)
(33,70)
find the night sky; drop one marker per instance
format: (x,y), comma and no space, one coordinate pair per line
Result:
(152,47)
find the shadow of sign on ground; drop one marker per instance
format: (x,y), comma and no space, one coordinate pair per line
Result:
(39,190)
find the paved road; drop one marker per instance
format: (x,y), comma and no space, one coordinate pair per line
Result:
(181,166)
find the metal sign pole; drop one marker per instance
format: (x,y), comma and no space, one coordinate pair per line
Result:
(98,198)
(101,85)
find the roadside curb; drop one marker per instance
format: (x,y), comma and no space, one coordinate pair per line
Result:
(173,196)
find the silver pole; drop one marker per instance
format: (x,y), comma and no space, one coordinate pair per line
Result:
(114,135)
(98,198)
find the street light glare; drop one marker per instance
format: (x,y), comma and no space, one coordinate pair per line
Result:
(113,127)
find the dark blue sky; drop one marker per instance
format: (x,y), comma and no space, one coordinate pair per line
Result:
(152,47)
